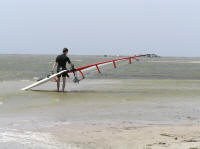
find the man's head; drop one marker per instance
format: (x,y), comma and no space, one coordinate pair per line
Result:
(65,51)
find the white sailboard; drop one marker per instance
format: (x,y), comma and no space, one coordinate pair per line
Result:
(48,78)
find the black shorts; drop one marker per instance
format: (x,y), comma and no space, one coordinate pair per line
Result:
(63,74)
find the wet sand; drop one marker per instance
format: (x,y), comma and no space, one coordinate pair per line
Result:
(126,135)
(101,114)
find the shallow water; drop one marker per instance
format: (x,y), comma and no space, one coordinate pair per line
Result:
(152,91)
(170,101)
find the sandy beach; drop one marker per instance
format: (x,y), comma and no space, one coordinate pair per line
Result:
(127,136)
(102,136)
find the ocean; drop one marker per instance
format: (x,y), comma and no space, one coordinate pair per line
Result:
(19,67)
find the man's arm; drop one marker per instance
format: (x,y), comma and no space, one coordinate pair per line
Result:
(69,61)
(54,66)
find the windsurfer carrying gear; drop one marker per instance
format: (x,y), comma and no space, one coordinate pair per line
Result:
(60,62)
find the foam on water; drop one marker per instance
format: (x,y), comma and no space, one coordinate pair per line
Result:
(31,139)
(26,137)
(53,124)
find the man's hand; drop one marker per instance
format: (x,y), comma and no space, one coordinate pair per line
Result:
(52,72)
(72,67)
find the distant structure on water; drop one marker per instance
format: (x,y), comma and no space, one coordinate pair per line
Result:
(117,55)
(152,55)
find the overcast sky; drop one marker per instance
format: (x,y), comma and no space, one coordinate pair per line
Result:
(164,27)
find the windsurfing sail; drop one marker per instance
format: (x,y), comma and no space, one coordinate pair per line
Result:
(82,70)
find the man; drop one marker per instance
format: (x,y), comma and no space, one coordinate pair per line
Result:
(60,62)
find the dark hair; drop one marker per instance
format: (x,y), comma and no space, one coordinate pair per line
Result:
(65,50)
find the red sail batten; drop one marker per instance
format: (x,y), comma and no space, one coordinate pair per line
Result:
(130,62)
(114,64)
(82,74)
(98,69)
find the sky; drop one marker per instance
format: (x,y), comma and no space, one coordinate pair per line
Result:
(93,27)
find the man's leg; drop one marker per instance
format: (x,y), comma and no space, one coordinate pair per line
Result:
(63,86)
(58,83)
